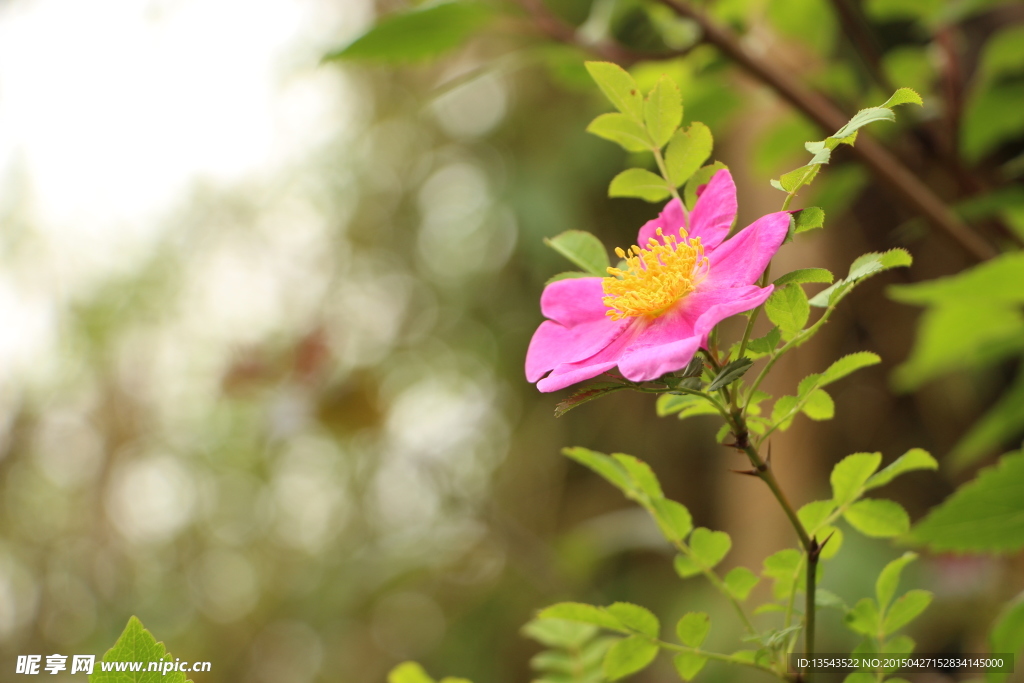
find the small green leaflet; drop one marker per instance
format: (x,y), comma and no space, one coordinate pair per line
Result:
(687,150)
(730,373)
(136,644)
(805,275)
(417,35)
(689,664)
(906,609)
(635,618)
(583,613)
(663,111)
(878,518)
(693,628)
(409,672)
(629,656)
(619,87)
(740,581)
(850,474)
(985,515)
(863,267)
(622,130)
(787,308)
(559,632)
(583,249)
(889,579)
(809,219)
(639,183)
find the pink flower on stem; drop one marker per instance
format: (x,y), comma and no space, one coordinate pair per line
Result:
(651,318)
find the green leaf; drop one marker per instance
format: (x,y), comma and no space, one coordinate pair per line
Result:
(701,177)
(628,656)
(584,395)
(136,644)
(809,219)
(685,567)
(639,183)
(1004,421)
(417,35)
(903,96)
(740,581)
(984,515)
(848,364)
(1008,633)
(829,600)
(864,617)
(640,474)
(878,518)
(730,373)
(602,464)
(813,514)
(762,346)
(559,632)
(619,87)
(783,410)
(960,335)
(787,308)
(709,547)
(804,275)
(689,664)
(553,661)
(583,249)
(850,474)
(693,628)
(621,130)
(863,267)
(687,150)
(996,280)
(782,567)
(906,609)
(635,618)
(818,405)
(914,459)
(863,118)
(794,180)
(832,538)
(889,579)
(673,518)
(900,645)
(582,613)
(663,111)
(686,405)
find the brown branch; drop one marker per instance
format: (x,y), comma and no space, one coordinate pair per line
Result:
(885,166)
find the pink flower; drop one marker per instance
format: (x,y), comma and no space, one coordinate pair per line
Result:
(651,318)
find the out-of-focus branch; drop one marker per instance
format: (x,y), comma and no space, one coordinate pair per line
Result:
(885,166)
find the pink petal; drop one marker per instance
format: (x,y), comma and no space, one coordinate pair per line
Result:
(714,211)
(651,362)
(573,301)
(554,344)
(572,374)
(741,259)
(607,358)
(671,218)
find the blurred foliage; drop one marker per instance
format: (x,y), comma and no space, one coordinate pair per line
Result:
(293,435)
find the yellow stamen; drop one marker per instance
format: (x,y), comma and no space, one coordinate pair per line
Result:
(657,276)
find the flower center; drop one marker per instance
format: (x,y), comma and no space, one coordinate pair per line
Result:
(656,277)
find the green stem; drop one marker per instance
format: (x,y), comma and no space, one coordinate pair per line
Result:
(810,610)
(660,160)
(718,657)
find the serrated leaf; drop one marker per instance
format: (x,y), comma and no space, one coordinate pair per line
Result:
(764,345)
(889,579)
(782,568)
(640,474)
(813,514)
(782,411)
(850,474)
(1003,421)
(864,618)
(809,219)
(689,664)
(804,275)
(863,267)
(628,656)
(635,617)
(136,644)
(907,608)
(787,308)
(584,395)
(687,150)
(559,632)
(621,130)
(583,249)
(417,35)
(608,468)
(914,459)
(701,177)
(693,628)
(848,364)
(619,87)
(740,581)
(863,118)
(685,567)
(639,183)
(663,111)
(730,373)
(673,518)
(984,515)
(878,518)
(687,405)
(709,547)
(818,405)
(903,96)
(582,613)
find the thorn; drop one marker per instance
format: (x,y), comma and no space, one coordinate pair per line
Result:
(731,444)
(749,473)
(769,458)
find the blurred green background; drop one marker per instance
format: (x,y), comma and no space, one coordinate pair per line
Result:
(264,322)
